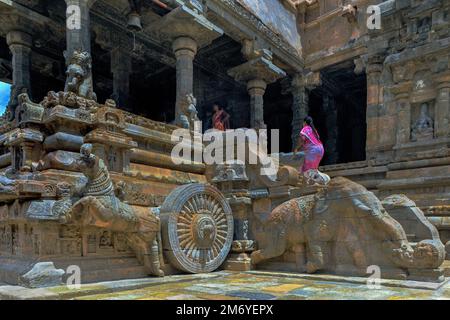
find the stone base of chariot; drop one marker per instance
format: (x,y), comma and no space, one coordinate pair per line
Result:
(238,262)
(413,275)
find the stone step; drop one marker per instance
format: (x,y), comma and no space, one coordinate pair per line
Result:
(98,263)
(113,274)
(94,269)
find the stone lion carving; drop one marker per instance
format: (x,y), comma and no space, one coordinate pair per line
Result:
(99,207)
(79,76)
(344,229)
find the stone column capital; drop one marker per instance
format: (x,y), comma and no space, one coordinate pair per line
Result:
(375,59)
(308,80)
(185,46)
(374,68)
(17,37)
(184,21)
(402,90)
(258,68)
(256,87)
(15,22)
(88,3)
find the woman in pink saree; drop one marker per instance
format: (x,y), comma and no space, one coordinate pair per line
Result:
(220,119)
(309,142)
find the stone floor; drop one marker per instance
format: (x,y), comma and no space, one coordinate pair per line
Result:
(224,285)
(245,286)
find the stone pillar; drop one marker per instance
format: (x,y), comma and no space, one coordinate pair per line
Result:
(185,49)
(121,69)
(257,74)
(300,107)
(256,89)
(442,114)
(78,32)
(188,29)
(300,87)
(300,110)
(20,44)
(374,105)
(403,114)
(329,107)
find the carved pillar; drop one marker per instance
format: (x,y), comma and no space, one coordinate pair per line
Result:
(300,110)
(25,148)
(188,29)
(231,179)
(442,114)
(257,74)
(20,44)
(256,89)
(185,49)
(121,69)
(78,32)
(329,107)
(403,105)
(374,104)
(300,87)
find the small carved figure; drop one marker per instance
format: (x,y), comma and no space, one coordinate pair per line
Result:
(189,112)
(13,103)
(79,76)
(105,239)
(423,128)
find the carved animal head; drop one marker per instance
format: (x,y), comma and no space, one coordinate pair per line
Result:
(86,150)
(78,71)
(428,254)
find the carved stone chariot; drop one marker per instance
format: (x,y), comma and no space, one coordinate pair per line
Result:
(88,184)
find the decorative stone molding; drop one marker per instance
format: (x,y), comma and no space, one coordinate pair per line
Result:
(250,19)
(185,22)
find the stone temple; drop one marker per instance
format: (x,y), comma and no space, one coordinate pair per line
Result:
(98,87)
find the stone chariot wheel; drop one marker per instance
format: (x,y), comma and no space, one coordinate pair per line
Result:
(197,228)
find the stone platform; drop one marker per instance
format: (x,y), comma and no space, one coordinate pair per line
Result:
(255,285)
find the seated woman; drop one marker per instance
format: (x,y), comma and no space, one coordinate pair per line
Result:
(309,142)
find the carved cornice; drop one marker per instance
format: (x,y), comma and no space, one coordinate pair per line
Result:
(185,22)
(249,19)
(260,68)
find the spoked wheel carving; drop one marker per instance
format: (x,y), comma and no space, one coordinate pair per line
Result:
(197,228)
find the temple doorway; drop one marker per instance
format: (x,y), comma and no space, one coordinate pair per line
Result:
(338,107)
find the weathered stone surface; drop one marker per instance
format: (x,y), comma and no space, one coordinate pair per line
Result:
(380,99)
(43,274)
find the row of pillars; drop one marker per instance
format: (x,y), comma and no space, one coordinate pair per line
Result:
(257,73)
(185,47)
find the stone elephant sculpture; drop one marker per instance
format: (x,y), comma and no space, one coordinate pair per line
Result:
(341,229)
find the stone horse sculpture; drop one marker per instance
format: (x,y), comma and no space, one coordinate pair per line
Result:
(79,76)
(342,229)
(99,207)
